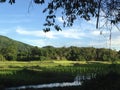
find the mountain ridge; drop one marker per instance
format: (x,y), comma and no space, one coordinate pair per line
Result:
(6,41)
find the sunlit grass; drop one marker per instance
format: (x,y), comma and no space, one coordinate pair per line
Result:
(50,63)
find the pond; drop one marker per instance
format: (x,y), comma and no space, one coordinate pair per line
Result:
(77,82)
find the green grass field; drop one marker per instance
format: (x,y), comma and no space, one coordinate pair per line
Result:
(13,73)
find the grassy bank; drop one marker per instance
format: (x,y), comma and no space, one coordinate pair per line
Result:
(37,72)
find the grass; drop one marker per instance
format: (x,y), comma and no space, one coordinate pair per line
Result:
(13,73)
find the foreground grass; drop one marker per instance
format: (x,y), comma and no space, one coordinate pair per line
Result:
(36,72)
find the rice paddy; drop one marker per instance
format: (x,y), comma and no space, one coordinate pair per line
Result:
(39,72)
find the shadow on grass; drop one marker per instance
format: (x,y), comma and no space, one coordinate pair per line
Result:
(110,81)
(31,77)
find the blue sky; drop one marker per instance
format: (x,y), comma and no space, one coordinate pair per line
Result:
(25,24)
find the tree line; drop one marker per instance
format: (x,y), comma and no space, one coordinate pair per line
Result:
(73,53)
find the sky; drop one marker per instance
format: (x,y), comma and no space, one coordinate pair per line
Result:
(23,22)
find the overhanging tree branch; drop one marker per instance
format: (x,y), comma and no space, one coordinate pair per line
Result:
(98,15)
(74,9)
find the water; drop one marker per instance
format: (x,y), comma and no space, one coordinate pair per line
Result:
(51,85)
(77,82)
(81,78)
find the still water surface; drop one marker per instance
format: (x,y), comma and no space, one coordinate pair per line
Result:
(77,82)
(51,85)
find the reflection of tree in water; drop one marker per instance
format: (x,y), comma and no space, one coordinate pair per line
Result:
(110,81)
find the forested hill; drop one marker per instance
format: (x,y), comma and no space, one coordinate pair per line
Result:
(9,48)
(15,50)
(6,42)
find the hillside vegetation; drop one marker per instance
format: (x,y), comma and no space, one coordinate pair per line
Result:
(18,51)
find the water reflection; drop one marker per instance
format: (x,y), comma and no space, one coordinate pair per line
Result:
(77,82)
(52,85)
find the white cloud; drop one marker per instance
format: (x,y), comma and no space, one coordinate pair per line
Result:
(116,41)
(37,42)
(71,33)
(71,36)
(95,32)
(36,33)
(92,21)
(60,19)
(98,32)
(99,44)
(105,42)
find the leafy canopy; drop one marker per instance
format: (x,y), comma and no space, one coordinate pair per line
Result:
(74,9)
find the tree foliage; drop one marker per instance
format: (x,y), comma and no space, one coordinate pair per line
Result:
(74,9)
(63,53)
(14,50)
(86,9)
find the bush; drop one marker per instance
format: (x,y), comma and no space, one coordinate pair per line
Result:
(2,58)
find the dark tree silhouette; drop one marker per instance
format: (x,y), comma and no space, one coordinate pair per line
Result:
(74,9)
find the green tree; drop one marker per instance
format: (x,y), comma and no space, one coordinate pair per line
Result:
(35,53)
(24,55)
(119,55)
(2,58)
(10,52)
